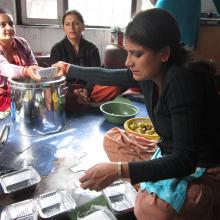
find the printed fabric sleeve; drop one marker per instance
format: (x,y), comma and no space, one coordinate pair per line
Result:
(9,70)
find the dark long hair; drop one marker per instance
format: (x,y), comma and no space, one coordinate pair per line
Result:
(156,29)
(5,11)
(73,12)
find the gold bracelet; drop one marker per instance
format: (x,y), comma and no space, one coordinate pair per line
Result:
(119,167)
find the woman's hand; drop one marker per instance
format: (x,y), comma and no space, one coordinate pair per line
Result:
(32,72)
(82,96)
(99,176)
(62,67)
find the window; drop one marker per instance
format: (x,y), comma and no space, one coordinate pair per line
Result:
(99,13)
(37,9)
(41,12)
(103,12)
(146,4)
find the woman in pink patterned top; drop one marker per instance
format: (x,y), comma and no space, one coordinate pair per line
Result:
(16,58)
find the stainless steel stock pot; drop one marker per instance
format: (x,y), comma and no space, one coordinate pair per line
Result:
(37,108)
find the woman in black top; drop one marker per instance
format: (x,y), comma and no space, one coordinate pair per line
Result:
(75,49)
(184,106)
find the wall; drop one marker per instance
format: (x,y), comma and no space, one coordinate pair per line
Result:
(42,39)
(208,6)
(208,43)
(8,4)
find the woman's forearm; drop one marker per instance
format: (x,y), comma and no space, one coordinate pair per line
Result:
(10,70)
(102,76)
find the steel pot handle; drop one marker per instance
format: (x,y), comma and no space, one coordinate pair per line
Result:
(4,134)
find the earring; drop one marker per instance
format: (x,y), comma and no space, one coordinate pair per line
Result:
(164,59)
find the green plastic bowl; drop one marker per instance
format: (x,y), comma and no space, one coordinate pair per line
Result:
(117,112)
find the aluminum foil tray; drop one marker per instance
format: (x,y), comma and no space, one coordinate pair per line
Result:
(21,210)
(120,197)
(48,73)
(54,203)
(19,180)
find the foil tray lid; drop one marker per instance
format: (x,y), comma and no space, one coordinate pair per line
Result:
(48,73)
(20,179)
(21,210)
(54,203)
(44,206)
(120,197)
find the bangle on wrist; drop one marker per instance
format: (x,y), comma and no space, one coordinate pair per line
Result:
(119,169)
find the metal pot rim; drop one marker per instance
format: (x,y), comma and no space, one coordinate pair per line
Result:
(37,84)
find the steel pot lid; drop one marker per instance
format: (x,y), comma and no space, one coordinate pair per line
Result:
(28,83)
